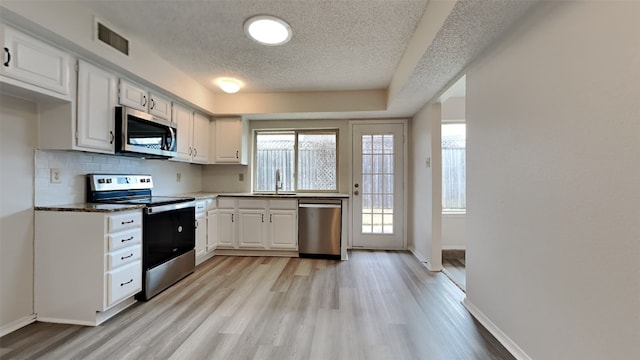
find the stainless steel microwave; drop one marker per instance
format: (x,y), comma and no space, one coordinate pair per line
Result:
(140,134)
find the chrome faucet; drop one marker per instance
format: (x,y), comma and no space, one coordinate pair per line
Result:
(278,181)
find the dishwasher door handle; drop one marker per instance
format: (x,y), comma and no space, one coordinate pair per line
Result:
(320,206)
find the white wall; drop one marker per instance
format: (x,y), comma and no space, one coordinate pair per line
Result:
(424,208)
(18,125)
(454,231)
(553,119)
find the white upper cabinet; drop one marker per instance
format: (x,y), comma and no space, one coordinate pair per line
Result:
(231,137)
(183,117)
(133,96)
(193,135)
(97,98)
(159,106)
(200,139)
(35,62)
(139,98)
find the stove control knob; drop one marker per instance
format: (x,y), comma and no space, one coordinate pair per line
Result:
(100,181)
(108,181)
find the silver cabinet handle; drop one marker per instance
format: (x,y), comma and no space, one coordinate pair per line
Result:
(126,257)
(144,100)
(126,283)
(113,137)
(127,222)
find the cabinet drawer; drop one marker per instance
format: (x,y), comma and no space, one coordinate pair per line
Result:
(252,204)
(283,204)
(124,239)
(124,256)
(226,203)
(124,221)
(123,282)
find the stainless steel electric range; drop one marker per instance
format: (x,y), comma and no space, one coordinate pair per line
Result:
(168,227)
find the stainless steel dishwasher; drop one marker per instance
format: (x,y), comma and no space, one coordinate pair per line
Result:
(319,228)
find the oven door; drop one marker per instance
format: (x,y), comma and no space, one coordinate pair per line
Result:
(168,232)
(141,133)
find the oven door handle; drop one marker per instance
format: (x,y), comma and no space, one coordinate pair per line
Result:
(170,207)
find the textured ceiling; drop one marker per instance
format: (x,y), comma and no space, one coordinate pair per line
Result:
(336,44)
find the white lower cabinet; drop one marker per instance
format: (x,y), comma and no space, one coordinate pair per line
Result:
(283,229)
(257,224)
(88,265)
(251,228)
(203,249)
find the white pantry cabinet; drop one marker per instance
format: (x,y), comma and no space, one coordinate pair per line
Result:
(35,62)
(231,137)
(88,265)
(138,97)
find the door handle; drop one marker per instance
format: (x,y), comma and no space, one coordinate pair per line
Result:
(356,192)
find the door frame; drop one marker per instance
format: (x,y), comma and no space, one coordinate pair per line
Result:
(405,162)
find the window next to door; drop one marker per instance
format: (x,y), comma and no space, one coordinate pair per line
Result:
(307,160)
(454,165)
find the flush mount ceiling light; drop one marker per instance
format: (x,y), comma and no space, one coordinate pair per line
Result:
(268,30)
(229,85)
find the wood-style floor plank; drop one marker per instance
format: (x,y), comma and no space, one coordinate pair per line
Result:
(376,305)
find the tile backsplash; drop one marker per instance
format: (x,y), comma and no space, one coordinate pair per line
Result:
(169,177)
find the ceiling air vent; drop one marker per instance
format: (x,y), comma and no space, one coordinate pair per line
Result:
(112,39)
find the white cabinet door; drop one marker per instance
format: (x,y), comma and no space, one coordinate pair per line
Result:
(226,229)
(200,145)
(159,106)
(251,228)
(133,96)
(183,117)
(35,62)
(283,225)
(97,97)
(212,230)
(228,141)
(201,235)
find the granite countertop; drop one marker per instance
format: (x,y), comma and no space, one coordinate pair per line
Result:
(89,207)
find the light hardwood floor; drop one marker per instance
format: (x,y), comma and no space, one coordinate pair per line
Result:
(377,305)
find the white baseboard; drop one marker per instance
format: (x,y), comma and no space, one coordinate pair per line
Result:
(17,324)
(423,260)
(506,341)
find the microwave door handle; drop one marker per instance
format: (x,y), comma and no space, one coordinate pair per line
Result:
(173,138)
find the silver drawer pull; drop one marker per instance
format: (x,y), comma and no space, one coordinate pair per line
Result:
(125,240)
(127,222)
(126,283)
(126,257)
